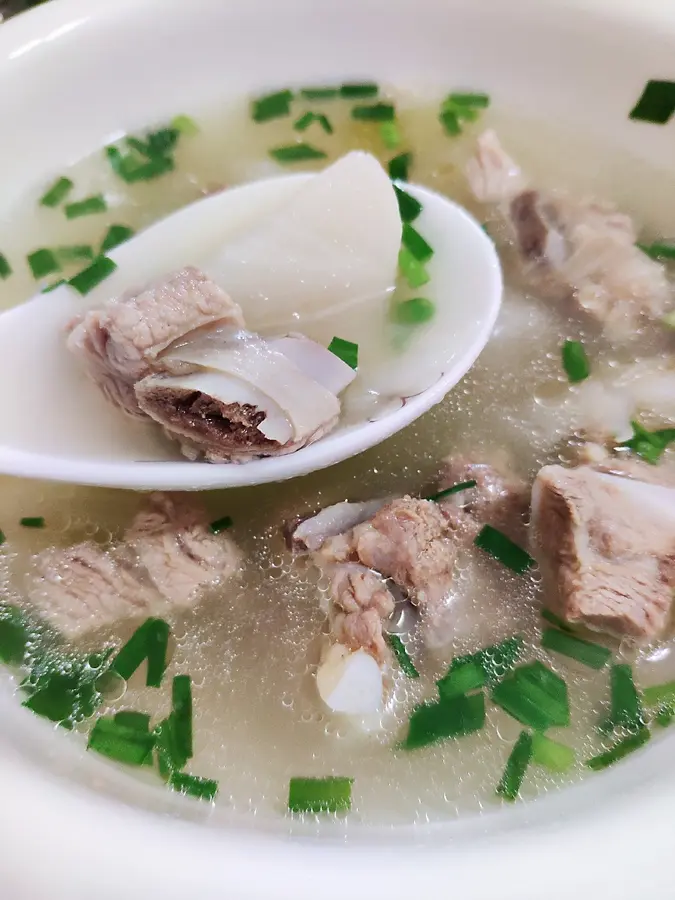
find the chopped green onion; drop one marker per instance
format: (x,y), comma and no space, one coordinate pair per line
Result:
(555,620)
(5,268)
(221,524)
(319,93)
(181,699)
(414,311)
(408,206)
(625,707)
(13,637)
(186,125)
(75,253)
(297,153)
(347,351)
(415,243)
(271,106)
(87,207)
(494,662)
(128,718)
(157,646)
(154,168)
(303,123)
(147,642)
(471,100)
(43,262)
(390,134)
(535,696)
(116,235)
(399,167)
(451,718)
(359,90)
(658,250)
(57,193)
(504,550)
(593,655)
(649,445)
(450,122)
(33,522)
(91,277)
(123,744)
(412,269)
(458,108)
(619,750)
(170,753)
(656,103)
(401,654)
(455,489)
(375,112)
(659,693)
(63,690)
(665,715)
(575,361)
(469,676)
(53,287)
(2,538)
(552,755)
(193,786)
(516,766)
(317,795)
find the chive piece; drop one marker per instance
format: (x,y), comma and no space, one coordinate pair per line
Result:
(32,522)
(271,106)
(656,103)
(535,696)
(57,193)
(399,167)
(625,707)
(649,445)
(469,676)
(412,269)
(375,112)
(665,715)
(555,620)
(186,125)
(391,137)
(494,662)
(126,745)
(303,123)
(154,168)
(455,489)
(516,766)
(450,122)
(53,287)
(43,262)
(319,93)
(147,642)
(401,654)
(504,550)
(91,277)
(193,786)
(296,153)
(659,693)
(13,637)
(619,750)
(128,718)
(2,538)
(63,690)
(552,755)
(458,108)
(317,795)
(116,235)
(415,243)
(452,718)
(5,268)
(181,699)
(359,90)
(414,311)
(170,754)
(87,207)
(658,250)
(346,351)
(470,100)
(408,206)
(221,524)
(74,253)
(575,361)
(157,646)
(593,655)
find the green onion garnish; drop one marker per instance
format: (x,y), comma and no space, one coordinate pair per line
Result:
(149,641)
(593,655)
(57,193)
(186,125)
(408,206)
(375,112)
(5,268)
(649,445)
(625,706)
(87,207)
(303,123)
(221,524)
(450,122)
(157,647)
(486,666)
(552,755)
(619,750)
(555,620)
(319,93)
(128,718)
(504,550)
(455,489)
(140,166)
(656,103)
(391,136)
(91,277)
(193,786)
(575,361)
(170,753)
(535,696)
(2,538)
(359,90)
(346,351)
(74,253)
(64,690)
(468,676)
(401,654)
(469,100)
(317,795)
(412,269)
(43,262)
(121,743)
(665,715)
(658,250)
(271,106)
(458,108)
(659,693)
(33,522)
(516,766)
(399,167)
(451,718)
(181,699)
(13,637)
(116,235)
(53,287)
(414,311)
(297,153)
(154,168)
(415,243)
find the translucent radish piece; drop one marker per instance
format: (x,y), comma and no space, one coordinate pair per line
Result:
(350,683)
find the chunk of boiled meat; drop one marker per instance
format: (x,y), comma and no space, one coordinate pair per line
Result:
(606,545)
(361,604)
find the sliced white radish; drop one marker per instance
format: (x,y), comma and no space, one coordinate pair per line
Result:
(316,361)
(350,682)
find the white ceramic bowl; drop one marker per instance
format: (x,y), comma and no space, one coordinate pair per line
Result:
(74,827)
